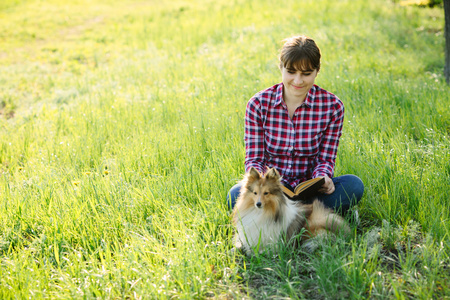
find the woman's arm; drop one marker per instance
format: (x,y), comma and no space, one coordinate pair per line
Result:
(254,136)
(329,144)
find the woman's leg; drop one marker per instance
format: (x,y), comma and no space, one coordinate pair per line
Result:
(233,194)
(349,191)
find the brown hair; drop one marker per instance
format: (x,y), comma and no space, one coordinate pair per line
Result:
(300,53)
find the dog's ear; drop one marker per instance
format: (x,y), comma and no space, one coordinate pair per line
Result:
(253,175)
(272,174)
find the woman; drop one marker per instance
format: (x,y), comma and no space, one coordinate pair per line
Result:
(295,126)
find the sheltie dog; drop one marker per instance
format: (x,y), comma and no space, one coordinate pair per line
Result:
(263,214)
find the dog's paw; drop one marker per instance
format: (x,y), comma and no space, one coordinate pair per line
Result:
(312,244)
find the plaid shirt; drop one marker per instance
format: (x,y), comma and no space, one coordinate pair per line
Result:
(302,148)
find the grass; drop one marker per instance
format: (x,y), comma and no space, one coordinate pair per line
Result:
(121,131)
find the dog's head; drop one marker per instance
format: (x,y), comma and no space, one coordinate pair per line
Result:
(263,191)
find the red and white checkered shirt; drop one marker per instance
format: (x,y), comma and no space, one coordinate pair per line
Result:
(300,148)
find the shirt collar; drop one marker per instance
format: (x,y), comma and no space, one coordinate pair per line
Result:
(309,101)
(279,95)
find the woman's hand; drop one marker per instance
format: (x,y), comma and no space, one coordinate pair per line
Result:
(327,187)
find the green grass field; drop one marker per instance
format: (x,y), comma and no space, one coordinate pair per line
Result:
(121,131)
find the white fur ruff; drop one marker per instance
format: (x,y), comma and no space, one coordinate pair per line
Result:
(258,230)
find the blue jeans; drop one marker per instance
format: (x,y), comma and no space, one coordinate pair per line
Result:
(348,192)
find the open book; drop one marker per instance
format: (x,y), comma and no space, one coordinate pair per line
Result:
(305,190)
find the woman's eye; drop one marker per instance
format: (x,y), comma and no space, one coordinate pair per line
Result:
(306,74)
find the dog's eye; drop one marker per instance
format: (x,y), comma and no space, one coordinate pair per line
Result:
(255,193)
(266,193)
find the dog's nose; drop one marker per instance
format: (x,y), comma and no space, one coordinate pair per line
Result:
(258,204)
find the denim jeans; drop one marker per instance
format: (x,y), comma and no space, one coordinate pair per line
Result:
(348,192)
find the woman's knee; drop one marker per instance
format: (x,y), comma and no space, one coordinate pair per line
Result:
(359,187)
(355,187)
(349,188)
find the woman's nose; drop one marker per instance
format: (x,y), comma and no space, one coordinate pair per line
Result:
(298,78)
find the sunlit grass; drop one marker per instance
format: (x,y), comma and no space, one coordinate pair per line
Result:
(121,131)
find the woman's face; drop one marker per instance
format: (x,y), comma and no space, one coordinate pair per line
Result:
(297,83)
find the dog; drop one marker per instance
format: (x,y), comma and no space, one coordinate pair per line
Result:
(263,215)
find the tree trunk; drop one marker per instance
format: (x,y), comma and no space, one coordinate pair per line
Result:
(447,40)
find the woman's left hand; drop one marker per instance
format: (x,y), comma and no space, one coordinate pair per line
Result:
(327,187)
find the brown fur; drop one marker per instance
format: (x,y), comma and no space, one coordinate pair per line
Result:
(268,187)
(262,197)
